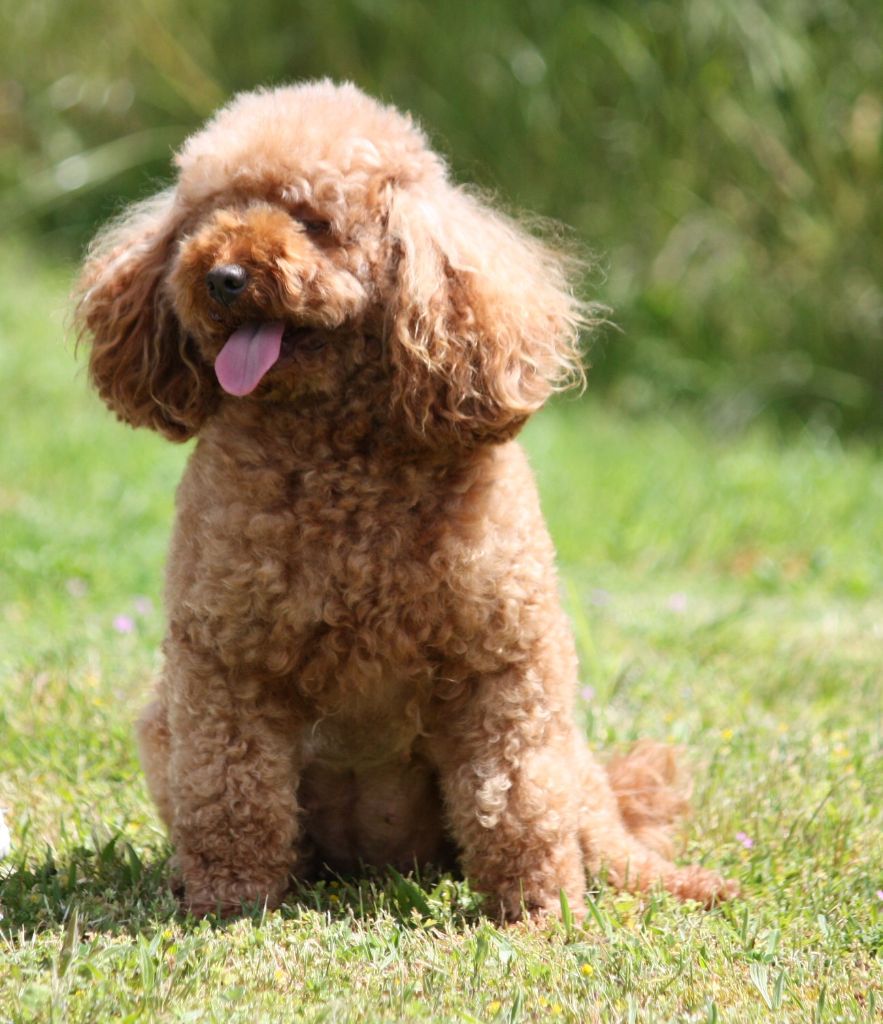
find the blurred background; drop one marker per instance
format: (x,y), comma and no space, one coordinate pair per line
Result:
(721,158)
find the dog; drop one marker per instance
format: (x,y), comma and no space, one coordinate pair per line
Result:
(366,659)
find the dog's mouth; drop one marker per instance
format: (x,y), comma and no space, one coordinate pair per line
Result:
(254,348)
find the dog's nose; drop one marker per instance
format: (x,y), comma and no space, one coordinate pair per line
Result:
(226,283)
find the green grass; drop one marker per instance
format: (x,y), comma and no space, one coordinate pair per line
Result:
(726,593)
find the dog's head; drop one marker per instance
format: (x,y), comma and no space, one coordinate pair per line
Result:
(304,223)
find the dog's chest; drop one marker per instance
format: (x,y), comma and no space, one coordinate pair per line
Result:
(330,566)
(358,541)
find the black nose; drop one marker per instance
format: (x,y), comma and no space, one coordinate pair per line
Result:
(226,283)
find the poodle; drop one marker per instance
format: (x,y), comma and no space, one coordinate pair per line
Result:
(366,659)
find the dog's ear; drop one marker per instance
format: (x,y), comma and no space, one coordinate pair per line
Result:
(483,324)
(141,361)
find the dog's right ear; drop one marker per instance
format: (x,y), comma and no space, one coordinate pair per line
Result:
(141,362)
(483,321)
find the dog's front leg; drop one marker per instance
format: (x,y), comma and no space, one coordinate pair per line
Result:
(511,797)
(232,788)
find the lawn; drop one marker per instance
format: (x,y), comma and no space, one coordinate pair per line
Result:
(727,594)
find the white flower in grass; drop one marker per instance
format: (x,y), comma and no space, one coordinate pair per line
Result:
(5,839)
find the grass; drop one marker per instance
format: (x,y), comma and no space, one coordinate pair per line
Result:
(726,593)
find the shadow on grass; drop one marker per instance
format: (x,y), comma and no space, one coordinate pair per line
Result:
(111,888)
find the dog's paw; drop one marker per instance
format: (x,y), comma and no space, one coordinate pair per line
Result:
(704,886)
(230,898)
(535,910)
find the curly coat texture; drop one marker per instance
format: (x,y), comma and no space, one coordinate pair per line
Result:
(366,659)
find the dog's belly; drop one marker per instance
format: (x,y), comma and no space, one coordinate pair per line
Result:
(383,815)
(369,797)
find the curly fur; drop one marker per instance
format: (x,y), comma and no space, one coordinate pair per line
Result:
(366,660)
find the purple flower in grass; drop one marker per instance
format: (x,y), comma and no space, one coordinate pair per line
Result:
(124,624)
(745,840)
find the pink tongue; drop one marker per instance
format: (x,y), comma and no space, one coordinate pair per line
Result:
(248,354)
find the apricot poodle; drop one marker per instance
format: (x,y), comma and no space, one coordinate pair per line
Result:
(366,659)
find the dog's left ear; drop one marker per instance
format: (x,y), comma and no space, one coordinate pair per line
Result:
(483,324)
(141,362)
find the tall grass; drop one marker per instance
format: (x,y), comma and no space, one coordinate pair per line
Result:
(723,155)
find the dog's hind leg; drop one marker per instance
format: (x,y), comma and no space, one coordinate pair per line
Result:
(152,731)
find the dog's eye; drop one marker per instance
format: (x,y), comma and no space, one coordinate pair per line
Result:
(314,225)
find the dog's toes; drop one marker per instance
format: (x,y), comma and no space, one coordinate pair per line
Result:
(536,910)
(705,886)
(204,908)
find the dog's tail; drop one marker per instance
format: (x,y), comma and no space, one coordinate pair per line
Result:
(627,812)
(652,790)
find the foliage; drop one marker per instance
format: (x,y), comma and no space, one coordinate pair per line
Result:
(723,155)
(726,597)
